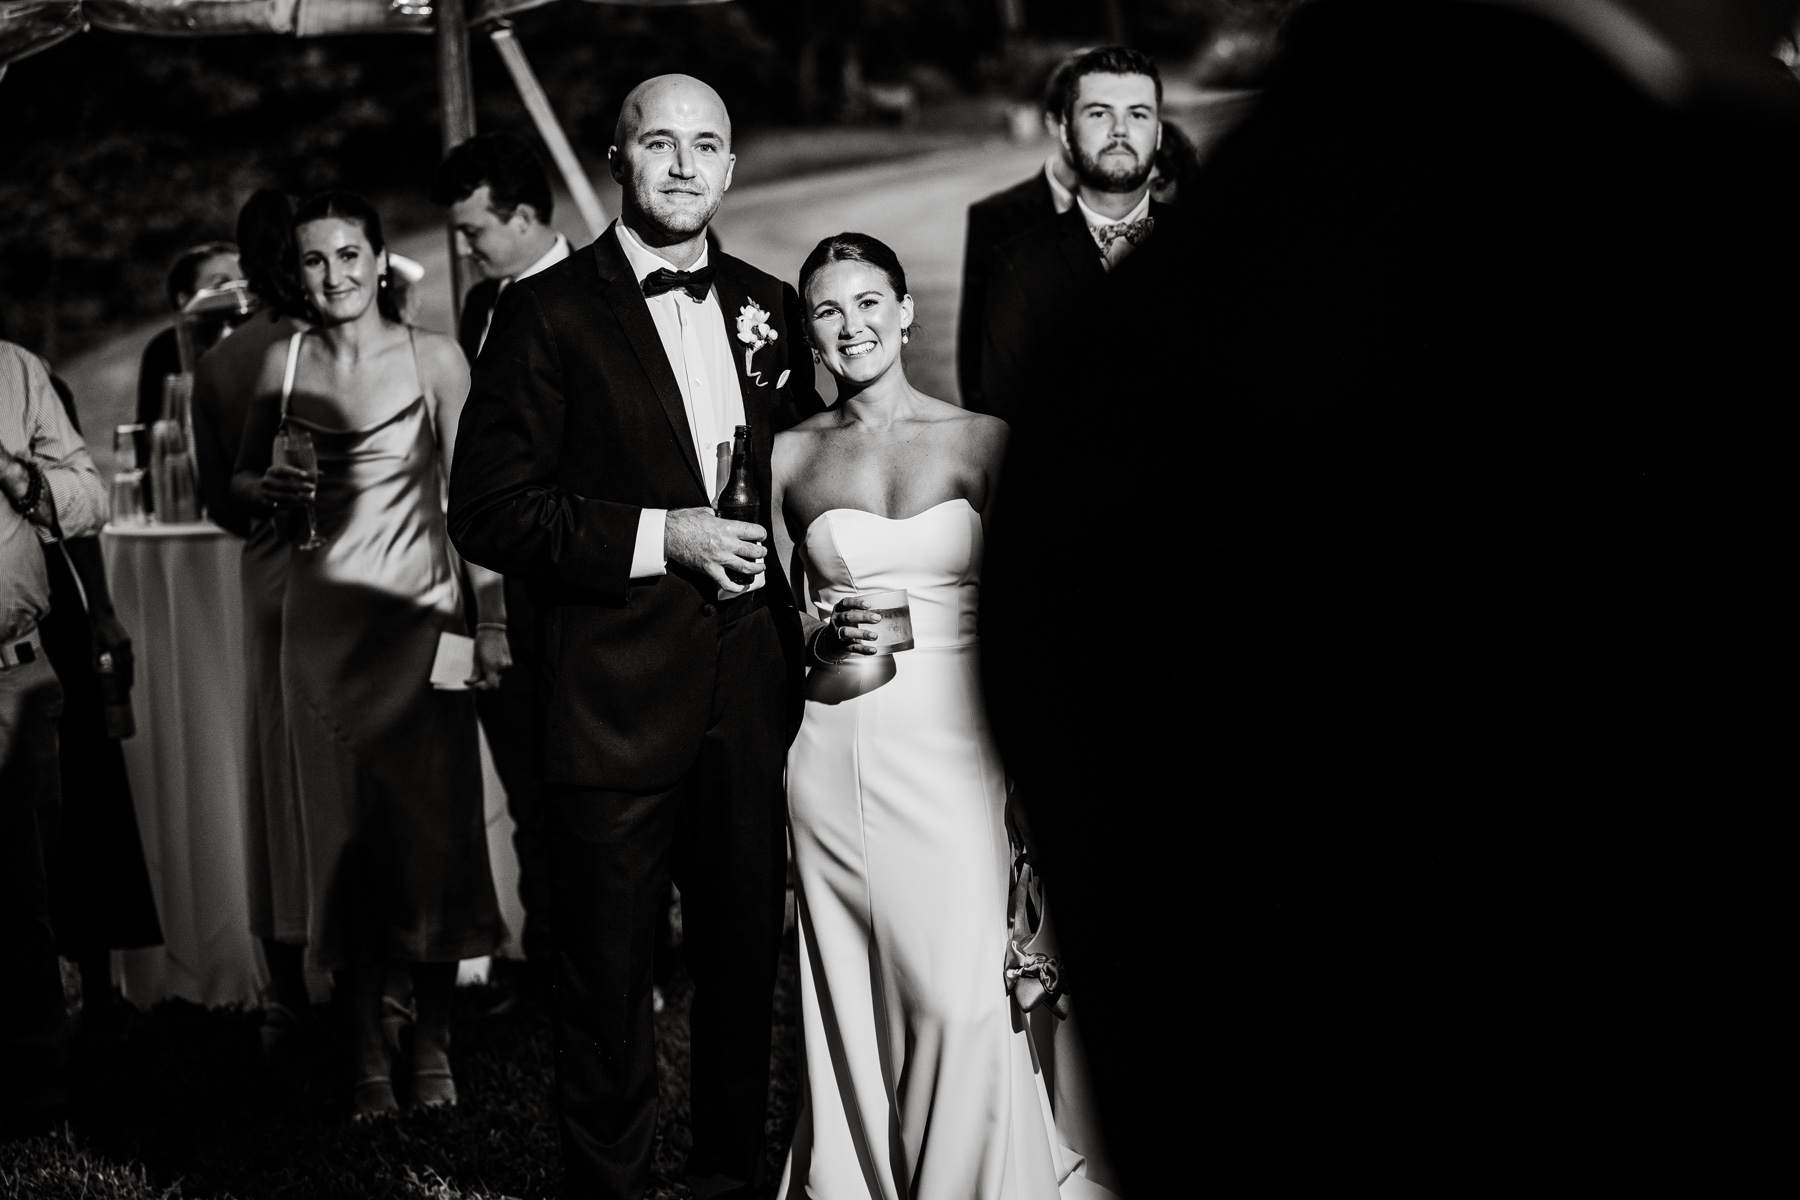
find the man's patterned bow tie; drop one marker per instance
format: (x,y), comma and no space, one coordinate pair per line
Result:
(694,283)
(1132,231)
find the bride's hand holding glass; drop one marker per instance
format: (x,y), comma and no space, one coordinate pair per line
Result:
(850,629)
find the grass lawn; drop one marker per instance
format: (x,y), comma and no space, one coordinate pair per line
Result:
(181,1104)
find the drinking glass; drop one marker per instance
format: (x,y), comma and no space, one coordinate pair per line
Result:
(128,478)
(172,476)
(301,453)
(895,632)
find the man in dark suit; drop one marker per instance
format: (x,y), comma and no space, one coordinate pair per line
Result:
(1111,126)
(607,388)
(498,197)
(225,376)
(211,265)
(1001,217)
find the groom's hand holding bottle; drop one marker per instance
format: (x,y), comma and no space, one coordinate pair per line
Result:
(702,541)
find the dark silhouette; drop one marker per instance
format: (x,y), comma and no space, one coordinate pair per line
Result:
(1449,501)
(100,897)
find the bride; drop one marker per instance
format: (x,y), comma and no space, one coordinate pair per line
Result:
(921,1080)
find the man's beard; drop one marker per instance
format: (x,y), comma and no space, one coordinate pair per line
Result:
(676,219)
(1091,170)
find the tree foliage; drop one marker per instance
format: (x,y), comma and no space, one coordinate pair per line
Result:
(119,151)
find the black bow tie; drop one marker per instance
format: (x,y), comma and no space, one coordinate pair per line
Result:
(694,283)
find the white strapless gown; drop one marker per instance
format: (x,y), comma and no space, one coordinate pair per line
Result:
(920,1081)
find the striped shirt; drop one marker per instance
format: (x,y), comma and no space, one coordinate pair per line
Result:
(33,425)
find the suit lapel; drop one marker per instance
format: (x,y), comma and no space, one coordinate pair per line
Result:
(734,293)
(626,297)
(1078,248)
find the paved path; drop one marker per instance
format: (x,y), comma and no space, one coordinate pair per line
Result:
(918,206)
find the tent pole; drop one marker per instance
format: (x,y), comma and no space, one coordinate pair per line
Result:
(456,107)
(593,213)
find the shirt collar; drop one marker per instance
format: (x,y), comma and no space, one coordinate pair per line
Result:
(558,251)
(1095,220)
(644,260)
(1060,195)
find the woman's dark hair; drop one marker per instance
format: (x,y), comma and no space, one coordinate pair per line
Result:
(347,206)
(265,234)
(857,247)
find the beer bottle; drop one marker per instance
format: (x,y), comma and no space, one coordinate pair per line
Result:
(739,501)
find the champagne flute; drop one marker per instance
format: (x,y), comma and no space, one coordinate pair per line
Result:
(300,453)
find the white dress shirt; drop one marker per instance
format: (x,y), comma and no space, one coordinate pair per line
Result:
(1060,194)
(1095,221)
(700,353)
(559,250)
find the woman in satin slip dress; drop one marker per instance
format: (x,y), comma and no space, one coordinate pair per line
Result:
(387,767)
(922,1081)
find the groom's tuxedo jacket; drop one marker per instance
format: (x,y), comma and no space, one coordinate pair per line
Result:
(574,425)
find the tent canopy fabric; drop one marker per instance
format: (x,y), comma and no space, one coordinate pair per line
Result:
(28,26)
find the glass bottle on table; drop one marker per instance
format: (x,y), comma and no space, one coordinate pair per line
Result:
(175,482)
(740,500)
(128,478)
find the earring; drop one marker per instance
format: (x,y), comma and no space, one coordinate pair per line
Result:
(906,335)
(817,357)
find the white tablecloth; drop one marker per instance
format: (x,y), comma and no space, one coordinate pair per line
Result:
(178,593)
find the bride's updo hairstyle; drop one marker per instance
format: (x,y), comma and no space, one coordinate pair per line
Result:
(857,247)
(348,206)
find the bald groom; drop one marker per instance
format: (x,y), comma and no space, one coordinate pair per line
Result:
(588,468)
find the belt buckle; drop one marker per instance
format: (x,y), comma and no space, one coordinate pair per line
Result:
(18,653)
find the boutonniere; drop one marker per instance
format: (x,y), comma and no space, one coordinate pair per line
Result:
(754,330)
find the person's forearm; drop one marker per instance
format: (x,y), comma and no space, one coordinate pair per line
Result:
(540,535)
(246,489)
(77,497)
(490,595)
(27,489)
(24,490)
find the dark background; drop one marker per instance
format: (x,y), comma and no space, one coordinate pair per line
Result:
(118,151)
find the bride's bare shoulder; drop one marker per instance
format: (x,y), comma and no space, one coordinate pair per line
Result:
(807,432)
(963,423)
(794,447)
(819,422)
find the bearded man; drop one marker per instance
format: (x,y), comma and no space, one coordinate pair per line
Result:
(1112,128)
(588,469)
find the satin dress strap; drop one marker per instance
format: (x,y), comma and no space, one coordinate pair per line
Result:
(287,378)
